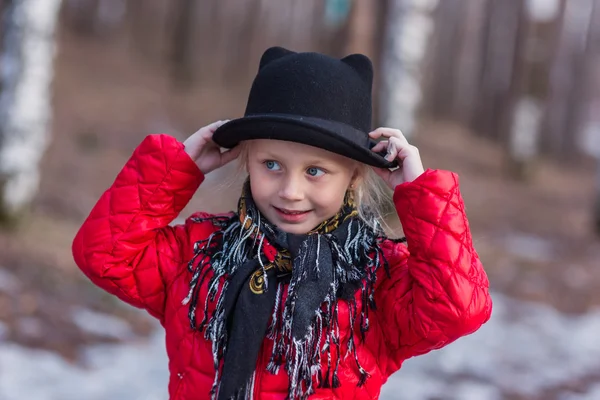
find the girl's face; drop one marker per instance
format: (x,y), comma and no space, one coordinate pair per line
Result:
(297,186)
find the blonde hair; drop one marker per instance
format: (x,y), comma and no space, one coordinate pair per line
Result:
(372,196)
(374,199)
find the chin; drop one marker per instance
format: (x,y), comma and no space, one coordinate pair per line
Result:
(297,229)
(294,229)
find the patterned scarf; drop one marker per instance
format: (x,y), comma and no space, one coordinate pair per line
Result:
(330,263)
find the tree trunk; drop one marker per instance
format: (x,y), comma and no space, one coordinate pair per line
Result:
(27,53)
(209,35)
(562,79)
(470,61)
(581,92)
(240,43)
(141,22)
(480,113)
(597,204)
(80,15)
(181,57)
(521,116)
(381,19)
(448,19)
(407,34)
(361,35)
(95,17)
(498,70)
(250,30)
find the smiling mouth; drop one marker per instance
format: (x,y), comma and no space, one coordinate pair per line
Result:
(290,212)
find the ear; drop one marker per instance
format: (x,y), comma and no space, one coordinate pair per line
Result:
(362,65)
(272,54)
(357,178)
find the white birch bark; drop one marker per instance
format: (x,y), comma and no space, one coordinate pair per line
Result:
(562,79)
(525,129)
(27,55)
(407,33)
(596,215)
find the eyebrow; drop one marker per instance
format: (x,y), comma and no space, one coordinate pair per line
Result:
(264,153)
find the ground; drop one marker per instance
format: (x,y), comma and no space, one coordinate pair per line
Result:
(534,237)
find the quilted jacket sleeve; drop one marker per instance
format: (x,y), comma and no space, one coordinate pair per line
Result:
(439,291)
(126,246)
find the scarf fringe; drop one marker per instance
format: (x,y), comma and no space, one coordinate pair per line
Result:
(355,262)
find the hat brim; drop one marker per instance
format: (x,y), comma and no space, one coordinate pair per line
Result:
(333,136)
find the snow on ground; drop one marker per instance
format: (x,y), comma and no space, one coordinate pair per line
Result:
(137,370)
(524,348)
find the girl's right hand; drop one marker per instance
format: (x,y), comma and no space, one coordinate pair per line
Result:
(205,152)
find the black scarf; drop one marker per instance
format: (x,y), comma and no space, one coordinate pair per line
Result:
(331,262)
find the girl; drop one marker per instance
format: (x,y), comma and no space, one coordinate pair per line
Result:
(298,294)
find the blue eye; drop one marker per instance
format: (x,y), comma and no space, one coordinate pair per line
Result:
(313,171)
(272,165)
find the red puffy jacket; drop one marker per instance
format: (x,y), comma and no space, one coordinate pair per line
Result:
(437,293)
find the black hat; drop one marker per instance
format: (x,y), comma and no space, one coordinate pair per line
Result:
(309,98)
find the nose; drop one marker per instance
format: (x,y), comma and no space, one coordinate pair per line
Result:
(291,189)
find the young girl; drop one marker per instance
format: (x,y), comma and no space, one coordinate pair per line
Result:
(298,294)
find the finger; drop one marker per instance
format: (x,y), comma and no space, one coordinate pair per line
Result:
(377,133)
(216,125)
(208,131)
(230,155)
(211,126)
(392,151)
(380,146)
(408,150)
(388,133)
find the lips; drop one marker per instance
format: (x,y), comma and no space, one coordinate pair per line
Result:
(291,216)
(290,212)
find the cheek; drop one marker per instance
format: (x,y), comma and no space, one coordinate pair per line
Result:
(262,187)
(329,201)
(331,198)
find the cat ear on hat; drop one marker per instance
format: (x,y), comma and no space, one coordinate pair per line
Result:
(362,65)
(272,54)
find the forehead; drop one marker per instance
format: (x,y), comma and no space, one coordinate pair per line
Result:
(288,151)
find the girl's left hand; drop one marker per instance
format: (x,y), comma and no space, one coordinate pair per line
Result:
(409,160)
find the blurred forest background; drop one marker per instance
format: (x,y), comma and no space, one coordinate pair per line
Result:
(504,92)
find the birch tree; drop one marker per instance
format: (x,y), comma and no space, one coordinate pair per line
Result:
(501,47)
(528,86)
(469,60)
(563,79)
(407,32)
(583,90)
(590,137)
(596,211)
(27,53)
